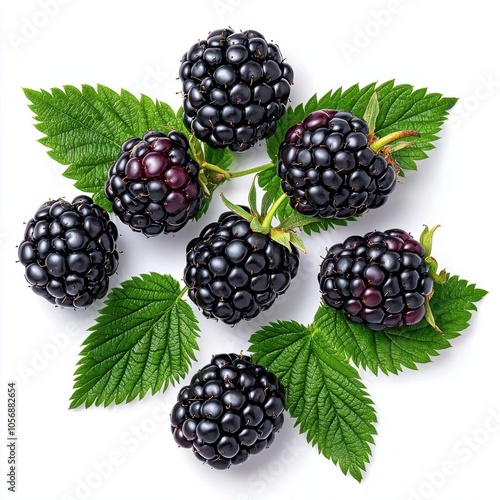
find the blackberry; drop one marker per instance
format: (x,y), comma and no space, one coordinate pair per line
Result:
(380,280)
(234,273)
(236,86)
(69,252)
(328,169)
(232,409)
(153,184)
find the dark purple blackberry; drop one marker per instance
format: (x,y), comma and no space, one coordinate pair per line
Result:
(236,87)
(69,252)
(328,170)
(234,273)
(153,184)
(232,409)
(380,280)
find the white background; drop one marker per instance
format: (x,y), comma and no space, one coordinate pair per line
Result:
(439,428)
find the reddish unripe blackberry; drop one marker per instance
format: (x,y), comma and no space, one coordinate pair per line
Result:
(231,409)
(328,169)
(234,273)
(236,86)
(69,252)
(153,184)
(380,280)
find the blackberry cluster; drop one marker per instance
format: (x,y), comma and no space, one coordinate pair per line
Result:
(380,280)
(69,252)
(328,170)
(236,87)
(234,273)
(153,184)
(232,409)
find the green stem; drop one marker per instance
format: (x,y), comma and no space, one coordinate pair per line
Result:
(384,141)
(251,171)
(215,168)
(270,214)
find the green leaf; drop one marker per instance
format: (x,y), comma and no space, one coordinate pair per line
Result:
(85,129)
(324,393)
(400,107)
(144,339)
(392,350)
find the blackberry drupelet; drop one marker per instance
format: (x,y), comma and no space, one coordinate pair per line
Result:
(153,184)
(236,86)
(69,252)
(232,409)
(328,170)
(380,280)
(234,273)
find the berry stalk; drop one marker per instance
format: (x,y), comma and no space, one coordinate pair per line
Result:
(266,223)
(394,136)
(252,171)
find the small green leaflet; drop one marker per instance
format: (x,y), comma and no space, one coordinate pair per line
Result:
(144,339)
(394,349)
(324,393)
(400,108)
(85,129)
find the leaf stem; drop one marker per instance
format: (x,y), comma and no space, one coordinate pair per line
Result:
(270,214)
(394,136)
(215,168)
(251,171)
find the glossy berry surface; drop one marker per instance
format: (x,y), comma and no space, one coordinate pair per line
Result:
(234,273)
(69,252)
(153,184)
(236,86)
(231,409)
(328,170)
(380,280)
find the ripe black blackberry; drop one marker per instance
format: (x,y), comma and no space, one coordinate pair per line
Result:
(232,409)
(236,87)
(234,273)
(328,168)
(381,280)
(153,184)
(69,252)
